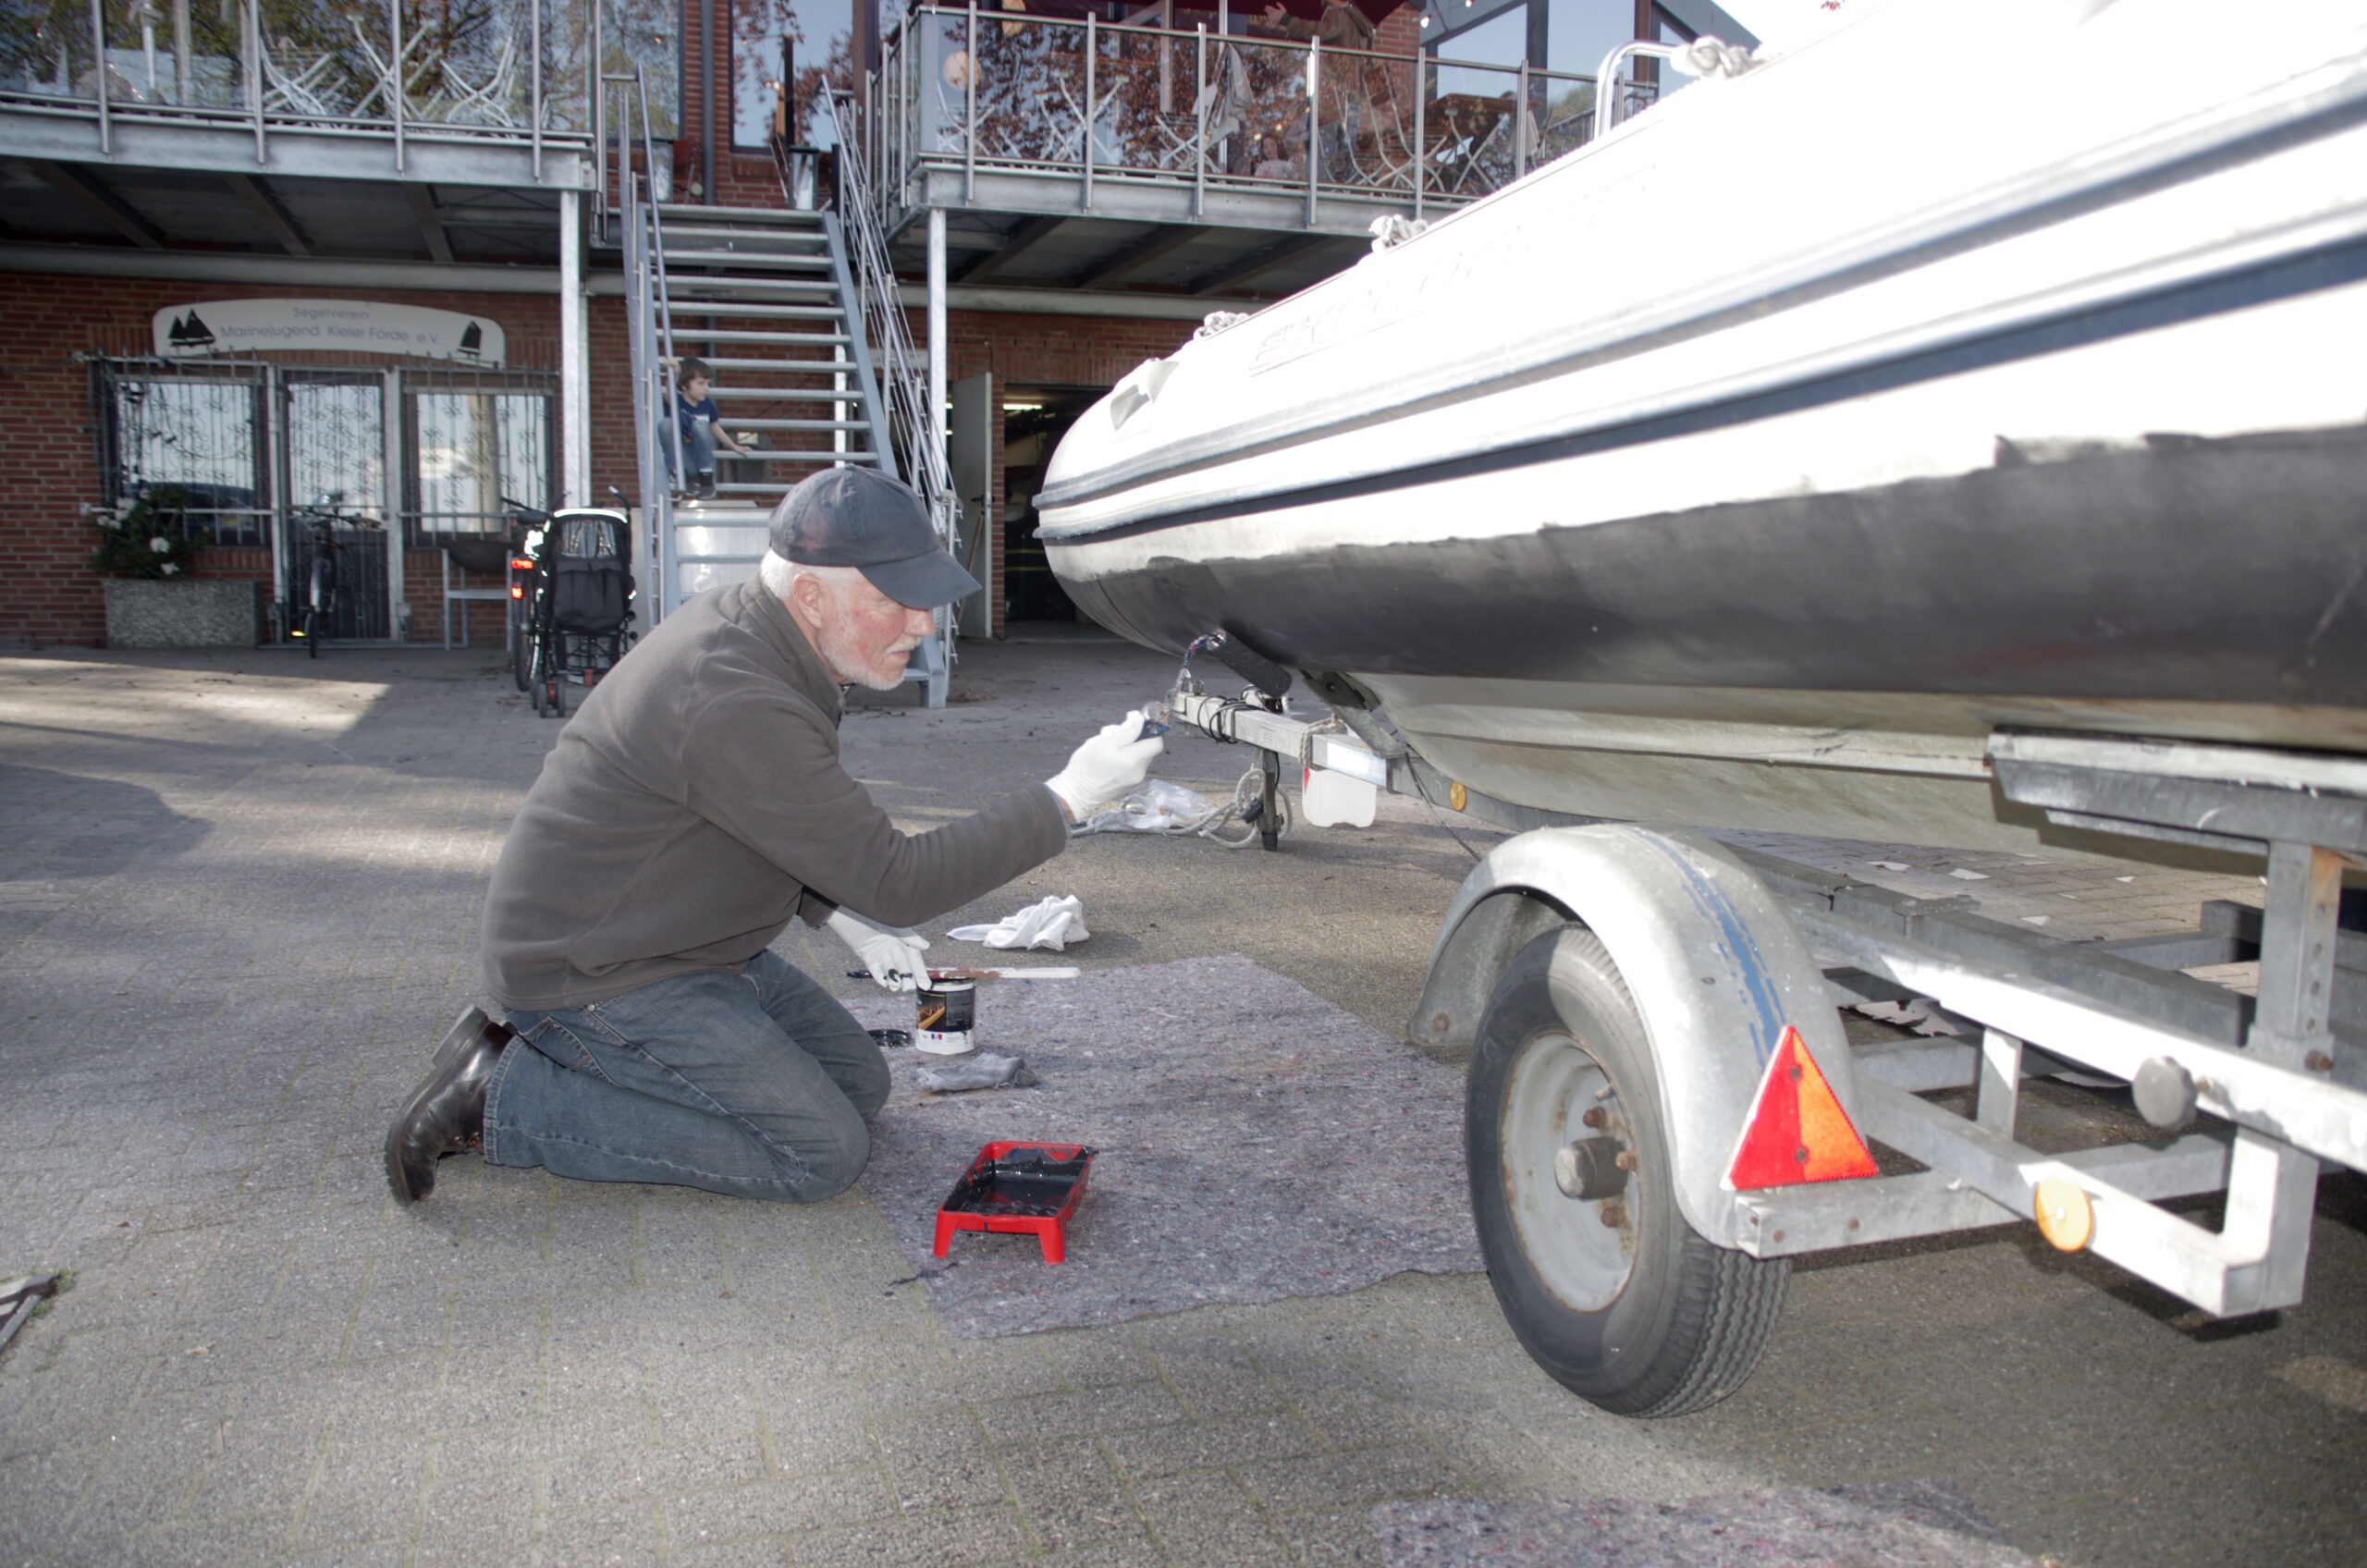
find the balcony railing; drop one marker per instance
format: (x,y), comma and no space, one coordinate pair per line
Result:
(433,69)
(1004,90)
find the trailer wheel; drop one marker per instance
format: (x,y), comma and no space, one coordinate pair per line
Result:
(1609,1291)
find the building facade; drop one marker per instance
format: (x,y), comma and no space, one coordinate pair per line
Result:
(350,270)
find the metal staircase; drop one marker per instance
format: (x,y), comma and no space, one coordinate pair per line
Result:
(770,299)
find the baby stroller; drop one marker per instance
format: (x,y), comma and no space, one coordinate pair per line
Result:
(580,599)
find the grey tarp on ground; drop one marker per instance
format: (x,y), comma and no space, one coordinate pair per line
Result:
(1908,1524)
(1256,1141)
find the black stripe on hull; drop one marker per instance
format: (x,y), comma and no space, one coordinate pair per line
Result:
(2220,570)
(2291,277)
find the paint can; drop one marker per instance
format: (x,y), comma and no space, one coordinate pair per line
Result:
(947,1021)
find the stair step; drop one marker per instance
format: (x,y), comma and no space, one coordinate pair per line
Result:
(729,334)
(743,259)
(785,217)
(787,368)
(791,395)
(703,285)
(798,425)
(816,367)
(731,309)
(676,234)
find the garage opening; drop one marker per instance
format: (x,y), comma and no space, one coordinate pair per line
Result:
(1033,420)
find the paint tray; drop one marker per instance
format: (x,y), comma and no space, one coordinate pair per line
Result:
(1029,1189)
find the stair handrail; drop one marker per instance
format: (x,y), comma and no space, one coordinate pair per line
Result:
(903,374)
(665,319)
(653,371)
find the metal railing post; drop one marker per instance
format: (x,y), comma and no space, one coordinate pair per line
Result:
(99,53)
(1092,47)
(256,75)
(657,225)
(1200,109)
(1314,122)
(1421,154)
(624,151)
(1520,125)
(534,93)
(395,76)
(969,111)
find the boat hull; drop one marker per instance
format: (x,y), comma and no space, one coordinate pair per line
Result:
(1833,664)
(2077,447)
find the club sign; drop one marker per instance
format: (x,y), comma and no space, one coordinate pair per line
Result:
(248,326)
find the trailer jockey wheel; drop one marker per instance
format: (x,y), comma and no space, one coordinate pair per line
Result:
(1606,1285)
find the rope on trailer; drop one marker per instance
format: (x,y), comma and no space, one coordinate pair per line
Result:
(1134,813)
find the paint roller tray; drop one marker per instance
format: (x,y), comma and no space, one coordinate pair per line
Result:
(1027,1189)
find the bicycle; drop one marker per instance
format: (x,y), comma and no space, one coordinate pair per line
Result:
(526,526)
(309,613)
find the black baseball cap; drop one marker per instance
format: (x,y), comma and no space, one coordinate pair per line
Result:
(860,518)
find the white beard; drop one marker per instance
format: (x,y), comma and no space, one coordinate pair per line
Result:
(848,662)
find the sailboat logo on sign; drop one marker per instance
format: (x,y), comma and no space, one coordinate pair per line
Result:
(190,332)
(472,342)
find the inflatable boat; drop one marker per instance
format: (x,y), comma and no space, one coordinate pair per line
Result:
(1974,366)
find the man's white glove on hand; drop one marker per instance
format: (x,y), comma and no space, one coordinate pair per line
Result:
(1105,767)
(891,954)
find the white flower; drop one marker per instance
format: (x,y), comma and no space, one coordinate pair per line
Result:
(161,544)
(170,567)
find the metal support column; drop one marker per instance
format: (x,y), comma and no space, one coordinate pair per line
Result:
(392,429)
(2297,965)
(935,432)
(1269,767)
(574,356)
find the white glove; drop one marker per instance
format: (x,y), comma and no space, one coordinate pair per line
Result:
(890,953)
(1105,767)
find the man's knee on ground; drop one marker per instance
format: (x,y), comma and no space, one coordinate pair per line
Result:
(832,1160)
(869,1091)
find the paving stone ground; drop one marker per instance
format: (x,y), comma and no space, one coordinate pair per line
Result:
(238,901)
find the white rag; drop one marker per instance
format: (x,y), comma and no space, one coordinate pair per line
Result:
(1053,923)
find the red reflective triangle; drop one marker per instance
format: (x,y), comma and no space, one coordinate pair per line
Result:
(1797,1131)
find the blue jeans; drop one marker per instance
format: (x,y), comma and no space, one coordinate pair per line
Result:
(698,450)
(757,1084)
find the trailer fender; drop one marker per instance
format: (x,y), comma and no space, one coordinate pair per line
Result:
(1715,964)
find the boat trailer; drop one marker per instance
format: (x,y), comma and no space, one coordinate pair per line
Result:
(1651,1013)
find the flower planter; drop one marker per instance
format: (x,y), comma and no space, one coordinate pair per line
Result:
(218,614)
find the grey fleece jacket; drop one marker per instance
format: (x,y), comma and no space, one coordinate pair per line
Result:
(696,802)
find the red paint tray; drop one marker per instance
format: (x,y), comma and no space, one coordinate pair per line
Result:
(1026,1188)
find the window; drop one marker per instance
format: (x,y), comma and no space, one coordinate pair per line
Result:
(648,35)
(196,434)
(1578,33)
(815,29)
(470,449)
(245,441)
(335,431)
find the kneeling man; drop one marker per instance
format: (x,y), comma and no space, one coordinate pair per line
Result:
(691,807)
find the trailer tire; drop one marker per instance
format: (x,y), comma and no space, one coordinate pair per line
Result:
(1627,1306)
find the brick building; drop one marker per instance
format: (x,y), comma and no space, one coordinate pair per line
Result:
(310,296)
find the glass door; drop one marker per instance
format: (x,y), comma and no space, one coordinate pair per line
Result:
(334,453)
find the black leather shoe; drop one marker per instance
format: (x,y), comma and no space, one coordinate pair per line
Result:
(447,1112)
